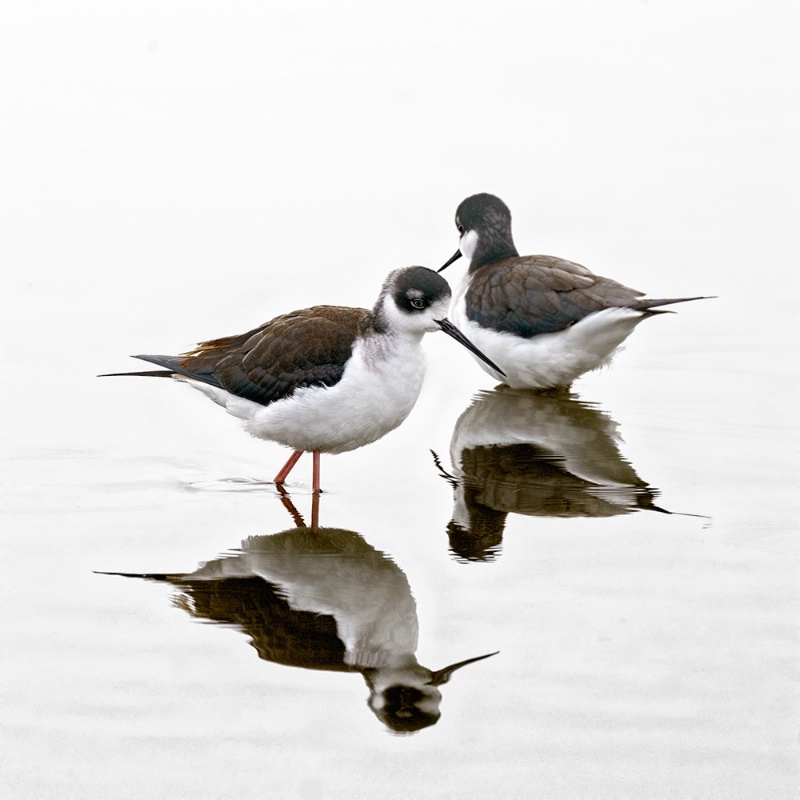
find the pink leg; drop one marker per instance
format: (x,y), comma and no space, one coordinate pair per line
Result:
(315,479)
(287,467)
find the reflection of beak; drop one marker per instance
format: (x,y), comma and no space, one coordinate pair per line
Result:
(451,330)
(443,675)
(452,258)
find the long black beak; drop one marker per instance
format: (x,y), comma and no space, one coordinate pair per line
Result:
(443,675)
(450,260)
(451,330)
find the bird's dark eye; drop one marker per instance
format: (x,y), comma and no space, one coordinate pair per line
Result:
(418,302)
(460,228)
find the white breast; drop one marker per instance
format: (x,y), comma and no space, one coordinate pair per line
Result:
(549,359)
(377,391)
(365,592)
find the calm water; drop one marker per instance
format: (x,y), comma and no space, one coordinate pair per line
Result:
(628,552)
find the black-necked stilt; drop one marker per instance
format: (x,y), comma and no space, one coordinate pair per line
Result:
(543,319)
(326,379)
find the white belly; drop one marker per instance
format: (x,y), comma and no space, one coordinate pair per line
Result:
(549,359)
(376,393)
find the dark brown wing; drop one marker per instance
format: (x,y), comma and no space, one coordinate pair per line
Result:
(540,294)
(304,348)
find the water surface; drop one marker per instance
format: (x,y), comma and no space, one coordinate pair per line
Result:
(628,550)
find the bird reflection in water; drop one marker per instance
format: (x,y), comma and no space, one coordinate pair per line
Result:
(537,453)
(329,601)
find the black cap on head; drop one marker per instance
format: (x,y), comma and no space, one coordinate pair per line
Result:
(481,211)
(402,710)
(415,288)
(484,223)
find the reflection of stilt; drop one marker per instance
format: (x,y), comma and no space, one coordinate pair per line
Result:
(545,454)
(315,508)
(289,506)
(297,517)
(324,600)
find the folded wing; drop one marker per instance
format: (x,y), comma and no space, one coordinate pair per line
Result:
(304,348)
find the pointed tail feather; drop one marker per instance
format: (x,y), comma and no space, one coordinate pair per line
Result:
(148,576)
(170,364)
(172,367)
(148,373)
(647,303)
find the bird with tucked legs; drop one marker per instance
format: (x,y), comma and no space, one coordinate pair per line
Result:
(543,319)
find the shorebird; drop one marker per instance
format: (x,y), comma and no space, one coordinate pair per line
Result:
(326,379)
(543,319)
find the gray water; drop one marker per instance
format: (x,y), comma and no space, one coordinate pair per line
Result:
(628,552)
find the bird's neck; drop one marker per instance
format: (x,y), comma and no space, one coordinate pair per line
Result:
(491,248)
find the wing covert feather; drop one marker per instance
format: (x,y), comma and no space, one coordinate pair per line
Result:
(540,294)
(303,348)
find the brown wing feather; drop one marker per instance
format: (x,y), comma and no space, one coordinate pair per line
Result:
(540,294)
(303,348)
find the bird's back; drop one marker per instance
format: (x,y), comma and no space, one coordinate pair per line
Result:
(309,347)
(531,295)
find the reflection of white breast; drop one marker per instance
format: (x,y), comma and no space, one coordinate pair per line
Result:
(583,438)
(365,592)
(371,602)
